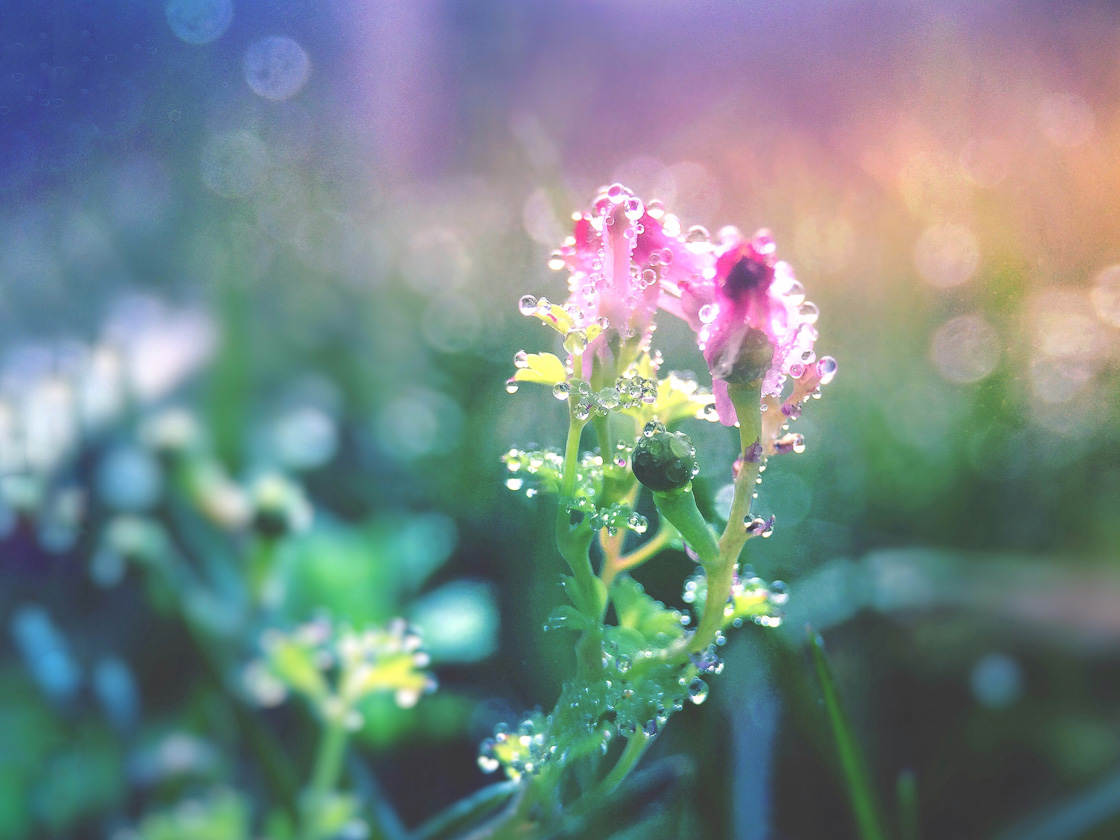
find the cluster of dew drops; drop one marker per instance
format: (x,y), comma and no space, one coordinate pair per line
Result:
(609,708)
(751,598)
(529,471)
(630,390)
(522,750)
(545,463)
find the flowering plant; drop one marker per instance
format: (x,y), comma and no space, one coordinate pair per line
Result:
(626,261)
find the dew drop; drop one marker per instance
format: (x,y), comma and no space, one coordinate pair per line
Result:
(795,294)
(556,261)
(763,243)
(697,691)
(779,593)
(697,234)
(511,387)
(527,305)
(575,341)
(826,369)
(561,390)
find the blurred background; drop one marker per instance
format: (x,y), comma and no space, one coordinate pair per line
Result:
(300,229)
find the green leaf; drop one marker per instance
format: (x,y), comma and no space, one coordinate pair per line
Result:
(567,617)
(869,820)
(588,603)
(657,624)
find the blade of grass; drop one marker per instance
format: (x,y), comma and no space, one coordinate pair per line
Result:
(906,790)
(466,810)
(868,818)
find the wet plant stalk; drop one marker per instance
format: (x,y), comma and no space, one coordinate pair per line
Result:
(325,773)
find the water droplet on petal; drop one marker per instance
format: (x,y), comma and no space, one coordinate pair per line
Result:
(697,235)
(634,208)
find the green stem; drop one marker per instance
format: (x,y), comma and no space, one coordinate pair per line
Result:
(325,773)
(719,578)
(328,758)
(633,751)
(641,554)
(261,563)
(720,568)
(602,426)
(574,542)
(679,508)
(747,400)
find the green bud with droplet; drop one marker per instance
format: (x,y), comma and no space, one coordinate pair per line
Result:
(664,460)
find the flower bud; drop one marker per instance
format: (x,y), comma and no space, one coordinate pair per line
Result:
(664,460)
(279,507)
(754,357)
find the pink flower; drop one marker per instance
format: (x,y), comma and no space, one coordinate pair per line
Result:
(620,255)
(750,315)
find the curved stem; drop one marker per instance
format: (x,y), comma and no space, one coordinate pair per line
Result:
(631,754)
(647,550)
(747,400)
(679,508)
